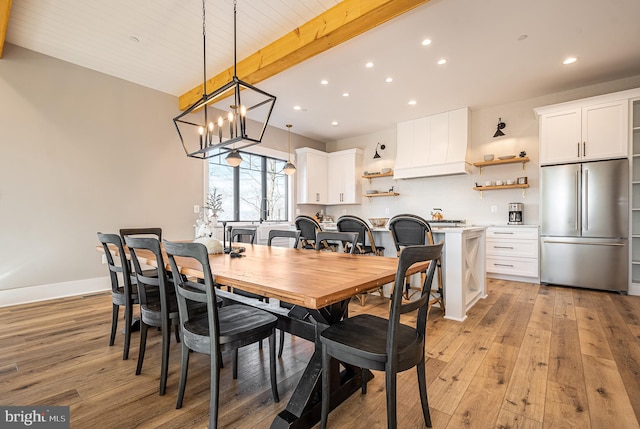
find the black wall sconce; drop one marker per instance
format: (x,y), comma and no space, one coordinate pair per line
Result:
(501,126)
(377,155)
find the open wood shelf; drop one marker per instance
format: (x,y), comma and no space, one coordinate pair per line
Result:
(501,161)
(382,194)
(491,188)
(371,176)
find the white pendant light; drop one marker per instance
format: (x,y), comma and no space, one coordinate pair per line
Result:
(289,168)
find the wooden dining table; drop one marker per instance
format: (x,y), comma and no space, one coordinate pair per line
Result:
(320,285)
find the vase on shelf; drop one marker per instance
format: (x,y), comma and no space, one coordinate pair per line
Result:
(212,219)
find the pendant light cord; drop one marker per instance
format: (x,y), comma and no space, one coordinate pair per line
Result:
(204,58)
(234,38)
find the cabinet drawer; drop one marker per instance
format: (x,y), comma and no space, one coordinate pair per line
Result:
(506,232)
(513,266)
(520,248)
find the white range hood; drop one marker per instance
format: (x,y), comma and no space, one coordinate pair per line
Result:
(433,146)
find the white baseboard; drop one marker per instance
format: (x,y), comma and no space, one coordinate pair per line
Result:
(521,279)
(45,292)
(634,289)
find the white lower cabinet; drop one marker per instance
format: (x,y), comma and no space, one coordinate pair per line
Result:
(512,253)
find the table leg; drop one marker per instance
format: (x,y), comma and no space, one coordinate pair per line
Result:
(303,409)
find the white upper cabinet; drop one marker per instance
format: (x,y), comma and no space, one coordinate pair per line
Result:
(328,178)
(311,176)
(435,145)
(345,169)
(584,131)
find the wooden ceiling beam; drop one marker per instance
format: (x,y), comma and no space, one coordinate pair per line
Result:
(5,8)
(338,24)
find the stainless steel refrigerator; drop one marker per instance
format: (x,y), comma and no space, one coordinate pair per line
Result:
(585,225)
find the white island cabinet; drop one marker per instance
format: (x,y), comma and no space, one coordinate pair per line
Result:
(463,268)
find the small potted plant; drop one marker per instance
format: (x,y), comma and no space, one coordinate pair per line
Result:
(213,206)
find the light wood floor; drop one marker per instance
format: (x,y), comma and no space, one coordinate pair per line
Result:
(528,356)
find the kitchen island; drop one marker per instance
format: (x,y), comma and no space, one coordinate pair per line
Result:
(463,265)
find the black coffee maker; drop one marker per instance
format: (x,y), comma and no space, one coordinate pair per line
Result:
(516,214)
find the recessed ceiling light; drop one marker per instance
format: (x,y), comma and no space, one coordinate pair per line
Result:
(442,61)
(369,65)
(426,42)
(523,37)
(324,82)
(412,102)
(297,108)
(134,39)
(334,123)
(570,60)
(389,80)
(345,94)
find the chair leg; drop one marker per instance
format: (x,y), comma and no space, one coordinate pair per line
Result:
(281,345)
(440,288)
(422,386)
(234,363)
(364,381)
(176,331)
(128,320)
(143,345)
(214,391)
(326,389)
(184,368)
(114,323)
(272,366)
(390,378)
(164,366)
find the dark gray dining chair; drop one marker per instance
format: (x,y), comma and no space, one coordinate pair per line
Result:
(158,304)
(243,235)
(328,239)
(411,230)
(289,235)
(366,245)
(155,232)
(124,290)
(380,344)
(218,329)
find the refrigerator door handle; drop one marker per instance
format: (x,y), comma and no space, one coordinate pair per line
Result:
(594,243)
(585,202)
(577,195)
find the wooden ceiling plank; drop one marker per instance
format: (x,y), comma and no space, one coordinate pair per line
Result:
(334,26)
(5,8)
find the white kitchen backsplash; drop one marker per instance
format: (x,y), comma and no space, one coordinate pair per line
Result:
(455,194)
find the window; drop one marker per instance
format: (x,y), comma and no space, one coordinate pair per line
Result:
(256,190)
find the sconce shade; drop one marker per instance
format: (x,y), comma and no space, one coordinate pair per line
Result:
(377,155)
(234,159)
(501,126)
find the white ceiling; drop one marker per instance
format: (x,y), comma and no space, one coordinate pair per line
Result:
(487,63)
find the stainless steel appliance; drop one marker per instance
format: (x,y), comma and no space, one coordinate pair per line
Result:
(585,224)
(516,214)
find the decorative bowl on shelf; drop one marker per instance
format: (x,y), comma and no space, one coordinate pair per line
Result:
(378,222)
(507,157)
(371,192)
(386,170)
(488,157)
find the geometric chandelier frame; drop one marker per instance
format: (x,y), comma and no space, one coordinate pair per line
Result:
(217,123)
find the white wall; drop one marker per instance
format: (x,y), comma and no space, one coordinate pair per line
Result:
(454,194)
(82,152)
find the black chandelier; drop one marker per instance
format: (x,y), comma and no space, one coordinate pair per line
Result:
(217,123)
